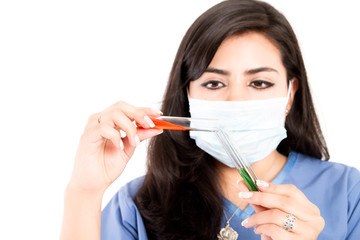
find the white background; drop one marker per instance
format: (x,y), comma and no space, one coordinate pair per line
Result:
(61,61)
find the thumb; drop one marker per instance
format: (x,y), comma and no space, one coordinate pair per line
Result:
(148,133)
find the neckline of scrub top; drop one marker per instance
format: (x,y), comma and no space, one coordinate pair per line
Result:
(229,207)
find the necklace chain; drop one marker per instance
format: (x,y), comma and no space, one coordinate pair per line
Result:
(228,220)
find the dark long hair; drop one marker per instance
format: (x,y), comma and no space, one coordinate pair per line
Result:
(180,197)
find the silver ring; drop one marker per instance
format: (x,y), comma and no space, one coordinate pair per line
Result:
(289,222)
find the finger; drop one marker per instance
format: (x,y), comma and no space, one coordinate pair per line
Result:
(121,115)
(275,232)
(148,133)
(283,203)
(151,112)
(282,189)
(139,115)
(124,123)
(111,134)
(244,188)
(290,191)
(264,237)
(93,121)
(272,216)
(258,208)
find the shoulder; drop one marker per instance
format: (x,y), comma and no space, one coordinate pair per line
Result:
(334,188)
(317,177)
(121,218)
(317,169)
(126,195)
(129,190)
(124,198)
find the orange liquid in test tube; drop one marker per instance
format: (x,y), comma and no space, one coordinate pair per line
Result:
(161,124)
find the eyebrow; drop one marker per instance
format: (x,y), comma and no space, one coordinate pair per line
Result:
(218,71)
(247,72)
(260,69)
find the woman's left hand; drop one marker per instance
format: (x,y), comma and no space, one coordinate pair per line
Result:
(274,204)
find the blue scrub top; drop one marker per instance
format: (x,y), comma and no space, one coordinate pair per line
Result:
(333,187)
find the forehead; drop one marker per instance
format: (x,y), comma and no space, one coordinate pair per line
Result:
(248,50)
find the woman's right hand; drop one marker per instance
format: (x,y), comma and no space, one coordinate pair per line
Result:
(102,154)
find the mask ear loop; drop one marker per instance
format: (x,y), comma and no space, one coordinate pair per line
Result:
(188,93)
(288,97)
(289,91)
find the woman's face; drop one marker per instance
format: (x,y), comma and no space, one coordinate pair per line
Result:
(245,67)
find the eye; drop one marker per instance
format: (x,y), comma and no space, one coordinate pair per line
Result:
(261,84)
(213,85)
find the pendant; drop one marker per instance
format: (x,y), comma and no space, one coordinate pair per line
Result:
(227,233)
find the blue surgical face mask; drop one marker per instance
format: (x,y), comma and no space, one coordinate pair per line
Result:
(257,126)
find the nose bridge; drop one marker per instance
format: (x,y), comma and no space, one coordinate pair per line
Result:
(237,89)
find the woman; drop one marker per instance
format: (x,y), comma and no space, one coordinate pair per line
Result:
(239,62)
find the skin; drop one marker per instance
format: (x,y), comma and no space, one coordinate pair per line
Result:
(235,58)
(101,157)
(249,67)
(102,154)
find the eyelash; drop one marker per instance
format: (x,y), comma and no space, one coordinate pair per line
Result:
(205,84)
(261,82)
(252,84)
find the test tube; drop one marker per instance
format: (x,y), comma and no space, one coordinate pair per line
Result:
(224,137)
(185,123)
(243,167)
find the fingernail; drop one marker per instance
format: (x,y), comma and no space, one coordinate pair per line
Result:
(238,181)
(245,194)
(262,183)
(121,145)
(243,223)
(149,122)
(160,132)
(137,140)
(160,112)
